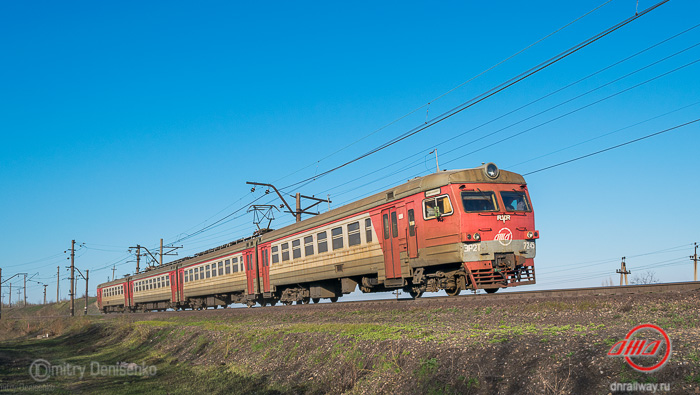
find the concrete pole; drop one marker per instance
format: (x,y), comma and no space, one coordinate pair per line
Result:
(72,278)
(25,289)
(87,276)
(58,282)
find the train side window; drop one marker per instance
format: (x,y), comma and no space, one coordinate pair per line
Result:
(167,281)
(308,245)
(285,252)
(227,266)
(437,207)
(191,275)
(368,230)
(296,249)
(322,242)
(213,269)
(394,225)
(411,223)
(385,220)
(337,235)
(241,264)
(207,271)
(275,255)
(221,268)
(354,237)
(196,274)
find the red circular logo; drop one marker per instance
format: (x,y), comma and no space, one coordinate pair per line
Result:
(504,236)
(630,347)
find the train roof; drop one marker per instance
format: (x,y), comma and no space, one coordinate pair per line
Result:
(412,187)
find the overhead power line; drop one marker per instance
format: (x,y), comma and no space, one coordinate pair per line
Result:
(449,91)
(485,95)
(614,147)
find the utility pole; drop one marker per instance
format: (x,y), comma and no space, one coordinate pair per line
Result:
(72,277)
(87,276)
(623,271)
(58,282)
(138,258)
(45,293)
(161,252)
(10,302)
(298,212)
(695,259)
(24,288)
(436,159)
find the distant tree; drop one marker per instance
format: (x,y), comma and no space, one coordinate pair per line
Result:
(647,277)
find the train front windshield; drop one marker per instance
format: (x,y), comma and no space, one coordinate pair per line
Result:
(515,201)
(480,201)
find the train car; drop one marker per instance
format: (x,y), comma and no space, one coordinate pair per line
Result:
(453,230)
(112,296)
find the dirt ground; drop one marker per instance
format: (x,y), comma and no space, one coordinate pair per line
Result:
(472,345)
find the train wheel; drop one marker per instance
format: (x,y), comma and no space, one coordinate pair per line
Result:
(306,300)
(334,299)
(415,294)
(263,303)
(316,300)
(491,290)
(454,291)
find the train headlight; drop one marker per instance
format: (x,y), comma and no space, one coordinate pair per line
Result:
(477,236)
(491,170)
(530,235)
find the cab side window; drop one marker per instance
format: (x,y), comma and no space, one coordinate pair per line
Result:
(437,207)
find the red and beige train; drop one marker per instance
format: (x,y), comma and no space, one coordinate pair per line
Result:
(452,230)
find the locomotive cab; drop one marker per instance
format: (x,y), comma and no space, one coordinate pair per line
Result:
(498,230)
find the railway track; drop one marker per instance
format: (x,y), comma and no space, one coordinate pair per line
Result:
(425,302)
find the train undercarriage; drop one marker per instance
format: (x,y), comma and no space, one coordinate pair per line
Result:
(505,271)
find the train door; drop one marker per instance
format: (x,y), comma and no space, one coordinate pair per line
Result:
(181,285)
(264,269)
(128,295)
(173,286)
(390,230)
(412,238)
(251,276)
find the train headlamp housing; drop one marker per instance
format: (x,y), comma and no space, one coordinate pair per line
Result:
(530,234)
(477,236)
(491,170)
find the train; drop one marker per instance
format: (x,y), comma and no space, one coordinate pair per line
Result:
(452,230)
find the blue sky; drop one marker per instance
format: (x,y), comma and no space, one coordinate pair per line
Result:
(124,123)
